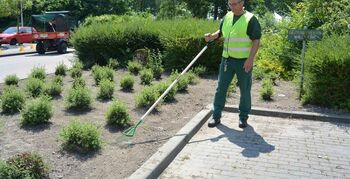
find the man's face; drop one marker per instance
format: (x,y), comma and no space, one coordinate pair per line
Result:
(235,5)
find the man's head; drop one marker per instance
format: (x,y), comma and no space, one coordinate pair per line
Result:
(236,6)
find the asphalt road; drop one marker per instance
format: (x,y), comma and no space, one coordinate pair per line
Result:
(21,65)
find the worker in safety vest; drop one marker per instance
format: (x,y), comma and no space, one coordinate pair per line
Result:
(241,32)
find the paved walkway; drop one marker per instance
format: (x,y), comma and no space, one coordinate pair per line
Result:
(269,148)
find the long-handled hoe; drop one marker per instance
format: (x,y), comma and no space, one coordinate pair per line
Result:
(130,132)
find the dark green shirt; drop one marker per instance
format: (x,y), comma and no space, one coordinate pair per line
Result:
(253,30)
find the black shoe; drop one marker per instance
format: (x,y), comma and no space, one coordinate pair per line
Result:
(243,122)
(213,122)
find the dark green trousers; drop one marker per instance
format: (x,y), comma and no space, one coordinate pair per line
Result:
(233,67)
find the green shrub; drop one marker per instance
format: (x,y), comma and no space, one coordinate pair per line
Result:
(81,136)
(327,72)
(11,80)
(75,73)
(37,111)
(127,82)
(134,67)
(162,86)
(147,96)
(61,69)
(38,72)
(53,89)
(24,165)
(155,63)
(192,77)
(35,87)
(146,76)
(12,100)
(100,73)
(58,80)
(266,90)
(106,89)
(78,82)
(78,64)
(113,63)
(200,70)
(182,83)
(78,98)
(117,114)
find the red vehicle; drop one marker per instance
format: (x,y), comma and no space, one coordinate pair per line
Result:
(14,35)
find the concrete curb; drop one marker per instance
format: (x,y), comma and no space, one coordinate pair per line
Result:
(292,114)
(13,54)
(155,165)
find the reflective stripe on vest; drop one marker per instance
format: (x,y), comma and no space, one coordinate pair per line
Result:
(237,43)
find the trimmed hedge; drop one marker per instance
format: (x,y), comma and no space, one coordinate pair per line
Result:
(180,41)
(327,73)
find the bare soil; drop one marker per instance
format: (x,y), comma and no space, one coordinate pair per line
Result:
(119,159)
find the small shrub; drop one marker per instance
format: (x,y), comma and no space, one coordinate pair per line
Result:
(38,72)
(11,80)
(127,82)
(53,89)
(155,64)
(106,89)
(182,83)
(61,69)
(134,67)
(100,73)
(146,76)
(35,87)
(192,77)
(113,63)
(200,70)
(12,100)
(75,73)
(77,135)
(147,96)
(58,80)
(77,64)
(37,111)
(266,91)
(79,82)
(78,98)
(117,114)
(162,86)
(24,165)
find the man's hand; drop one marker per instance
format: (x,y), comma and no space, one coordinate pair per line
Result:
(248,65)
(208,37)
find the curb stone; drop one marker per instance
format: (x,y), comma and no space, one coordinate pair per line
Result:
(155,165)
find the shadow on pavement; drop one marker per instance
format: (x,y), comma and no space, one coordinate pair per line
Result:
(251,142)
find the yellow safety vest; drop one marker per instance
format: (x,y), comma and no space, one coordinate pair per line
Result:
(237,43)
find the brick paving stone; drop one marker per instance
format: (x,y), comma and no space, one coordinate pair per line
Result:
(269,148)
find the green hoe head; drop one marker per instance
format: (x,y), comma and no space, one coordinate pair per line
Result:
(130,132)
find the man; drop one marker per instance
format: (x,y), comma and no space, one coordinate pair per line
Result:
(241,32)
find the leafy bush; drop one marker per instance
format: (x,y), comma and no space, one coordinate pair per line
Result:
(192,77)
(146,76)
(134,67)
(78,64)
(38,72)
(266,90)
(200,70)
(84,136)
(155,63)
(53,89)
(11,80)
(327,72)
(127,82)
(24,165)
(61,69)
(35,87)
(78,82)
(12,100)
(147,96)
(106,89)
(75,72)
(182,83)
(99,73)
(117,114)
(58,80)
(78,98)
(37,111)
(113,63)
(162,86)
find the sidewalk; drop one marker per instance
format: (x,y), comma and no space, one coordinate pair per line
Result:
(270,147)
